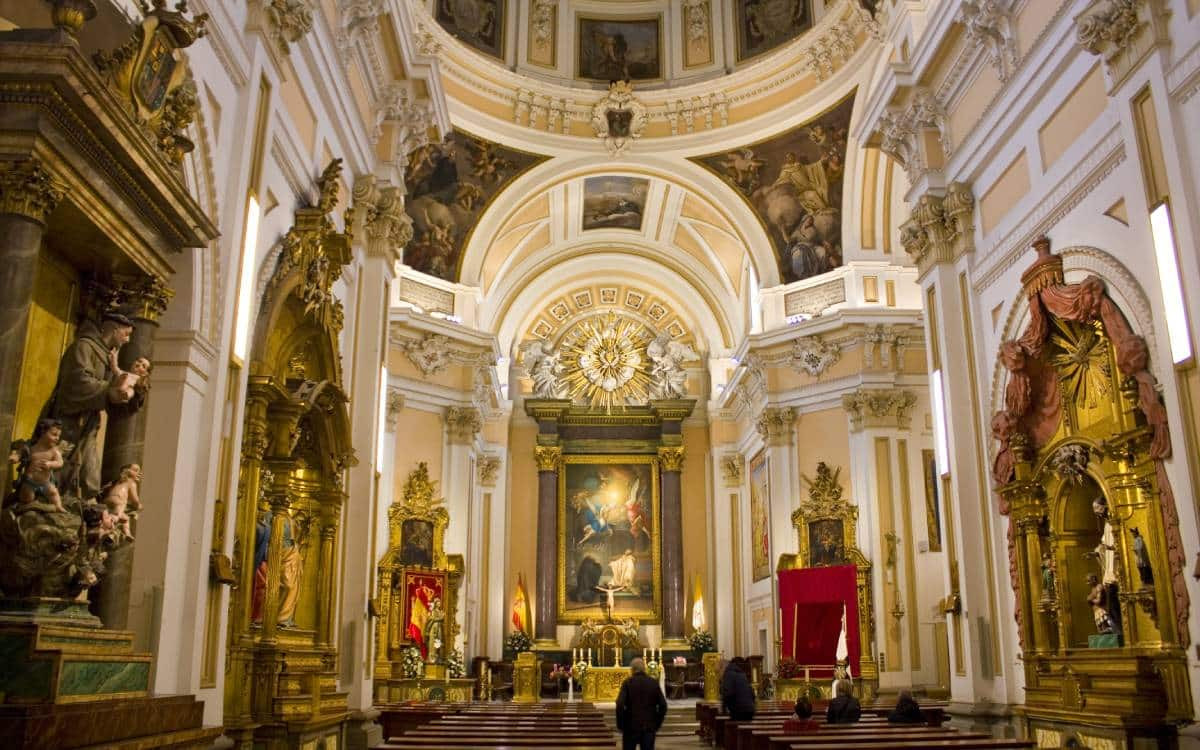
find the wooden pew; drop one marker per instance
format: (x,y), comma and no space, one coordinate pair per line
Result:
(989,743)
(574,726)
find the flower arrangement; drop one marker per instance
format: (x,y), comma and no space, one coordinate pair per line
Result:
(560,672)
(653,668)
(518,642)
(454,664)
(679,661)
(701,641)
(579,670)
(790,670)
(412,663)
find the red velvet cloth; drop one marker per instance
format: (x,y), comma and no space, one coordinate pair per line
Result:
(814,597)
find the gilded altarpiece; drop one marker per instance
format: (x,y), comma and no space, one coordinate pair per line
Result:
(282,692)
(417,583)
(826,525)
(1094,548)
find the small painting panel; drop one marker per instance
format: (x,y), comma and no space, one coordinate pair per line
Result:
(543,23)
(760,518)
(614,202)
(933,513)
(826,543)
(479,23)
(416,544)
(763,25)
(609,553)
(793,183)
(449,185)
(628,49)
(697,33)
(424,595)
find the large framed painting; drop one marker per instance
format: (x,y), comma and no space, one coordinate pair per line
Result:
(793,183)
(416,542)
(609,551)
(424,598)
(479,23)
(760,518)
(625,49)
(615,202)
(763,25)
(825,542)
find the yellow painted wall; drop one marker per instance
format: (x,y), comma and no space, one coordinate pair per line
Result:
(522,516)
(1005,192)
(824,436)
(1080,109)
(418,438)
(695,520)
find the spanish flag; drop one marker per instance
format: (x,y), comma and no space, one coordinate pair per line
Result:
(520,606)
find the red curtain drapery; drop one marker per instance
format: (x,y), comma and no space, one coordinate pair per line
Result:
(813,598)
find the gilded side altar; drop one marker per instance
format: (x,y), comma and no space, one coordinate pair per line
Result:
(601,684)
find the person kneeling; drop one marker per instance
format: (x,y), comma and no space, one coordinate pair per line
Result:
(844,708)
(906,711)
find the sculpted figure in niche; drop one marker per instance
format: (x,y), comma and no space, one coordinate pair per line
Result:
(85,388)
(290,567)
(435,633)
(1141,558)
(1098,599)
(122,496)
(37,461)
(1106,551)
(1048,577)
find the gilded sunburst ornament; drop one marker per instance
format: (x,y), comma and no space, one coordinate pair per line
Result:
(605,362)
(1082,361)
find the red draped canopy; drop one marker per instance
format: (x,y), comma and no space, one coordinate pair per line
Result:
(813,598)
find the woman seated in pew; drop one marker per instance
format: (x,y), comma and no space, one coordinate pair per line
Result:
(803,707)
(844,708)
(804,721)
(906,711)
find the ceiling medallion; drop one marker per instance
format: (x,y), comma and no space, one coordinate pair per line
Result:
(605,363)
(618,118)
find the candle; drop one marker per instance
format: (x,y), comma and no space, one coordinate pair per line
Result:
(806,674)
(589,654)
(643,654)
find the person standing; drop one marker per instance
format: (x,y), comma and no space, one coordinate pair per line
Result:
(737,698)
(641,708)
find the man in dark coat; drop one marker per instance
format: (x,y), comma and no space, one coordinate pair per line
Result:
(641,708)
(737,698)
(844,708)
(906,711)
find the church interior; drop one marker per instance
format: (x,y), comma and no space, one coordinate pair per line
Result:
(494,346)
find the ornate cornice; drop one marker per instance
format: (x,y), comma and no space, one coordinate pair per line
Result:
(548,457)
(902,133)
(284,22)
(941,228)
(774,424)
(733,468)
(886,408)
(671,457)
(463,423)
(28,189)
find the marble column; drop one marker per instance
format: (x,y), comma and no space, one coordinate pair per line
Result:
(27,196)
(145,300)
(671,508)
(549,462)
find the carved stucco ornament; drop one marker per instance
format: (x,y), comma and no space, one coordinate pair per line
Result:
(618,119)
(989,23)
(430,354)
(733,467)
(888,408)
(814,356)
(463,423)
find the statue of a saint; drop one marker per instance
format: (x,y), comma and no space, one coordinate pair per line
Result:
(1106,550)
(1141,558)
(290,565)
(1098,599)
(1048,593)
(85,388)
(435,633)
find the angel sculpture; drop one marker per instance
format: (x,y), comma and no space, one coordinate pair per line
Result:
(544,368)
(667,378)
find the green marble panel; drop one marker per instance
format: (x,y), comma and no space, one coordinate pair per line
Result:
(102,677)
(19,677)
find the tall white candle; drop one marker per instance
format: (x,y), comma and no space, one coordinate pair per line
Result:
(589,654)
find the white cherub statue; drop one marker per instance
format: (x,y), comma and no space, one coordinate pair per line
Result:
(667,378)
(544,368)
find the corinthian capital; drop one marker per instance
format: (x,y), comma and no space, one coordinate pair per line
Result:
(548,457)
(27,189)
(941,228)
(1122,32)
(462,424)
(774,424)
(887,408)
(388,228)
(671,457)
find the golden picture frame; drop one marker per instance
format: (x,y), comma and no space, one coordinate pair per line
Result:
(604,518)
